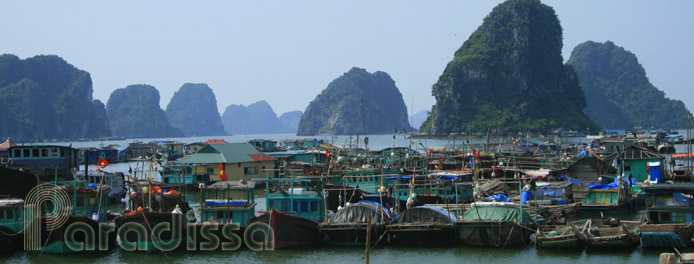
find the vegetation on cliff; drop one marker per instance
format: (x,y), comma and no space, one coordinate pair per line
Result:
(356,102)
(134,112)
(44,97)
(618,93)
(193,110)
(509,76)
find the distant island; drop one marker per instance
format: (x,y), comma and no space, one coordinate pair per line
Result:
(356,102)
(134,112)
(193,111)
(256,118)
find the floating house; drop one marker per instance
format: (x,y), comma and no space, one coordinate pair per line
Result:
(264,145)
(642,163)
(239,161)
(46,161)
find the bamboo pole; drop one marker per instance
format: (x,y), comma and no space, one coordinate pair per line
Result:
(368,240)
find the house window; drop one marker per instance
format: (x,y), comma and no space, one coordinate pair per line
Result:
(92,201)
(44,152)
(304,206)
(54,152)
(210,171)
(8,214)
(250,170)
(27,153)
(35,153)
(62,152)
(314,206)
(17,153)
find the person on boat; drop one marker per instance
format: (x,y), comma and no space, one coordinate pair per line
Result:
(411,201)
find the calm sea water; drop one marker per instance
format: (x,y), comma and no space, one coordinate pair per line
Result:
(331,254)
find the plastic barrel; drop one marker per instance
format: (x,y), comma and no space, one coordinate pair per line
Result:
(525,196)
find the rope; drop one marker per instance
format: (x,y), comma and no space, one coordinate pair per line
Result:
(381,237)
(150,229)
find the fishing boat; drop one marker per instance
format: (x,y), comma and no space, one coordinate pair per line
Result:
(424,225)
(616,196)
(146,210)
(565,237)
(349,226)
(495,224)
(223,204)
(11,224)
(87,209)
(293,212)
(669,214)
(611,234)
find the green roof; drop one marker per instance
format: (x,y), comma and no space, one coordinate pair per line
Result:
(224,153)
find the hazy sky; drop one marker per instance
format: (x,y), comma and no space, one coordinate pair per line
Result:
(286,52)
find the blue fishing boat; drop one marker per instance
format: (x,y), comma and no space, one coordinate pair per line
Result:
(226,205)
(11,224)
(293,212)
(668,216)
(87,206)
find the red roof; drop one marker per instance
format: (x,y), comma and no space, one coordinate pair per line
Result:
(216,141)
(7,144)
(260,157)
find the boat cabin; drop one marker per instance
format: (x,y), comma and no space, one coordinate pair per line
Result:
(226,202)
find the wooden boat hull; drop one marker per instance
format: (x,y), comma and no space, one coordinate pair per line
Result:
(614,242)
(201,240)
(350,234)
(423,234)
(149,221)
(10,241)
(53,241)
(492,233)
(620,238)
(289,231)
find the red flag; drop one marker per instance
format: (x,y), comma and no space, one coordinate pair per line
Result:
(327,154)
(222,172)
(102,163)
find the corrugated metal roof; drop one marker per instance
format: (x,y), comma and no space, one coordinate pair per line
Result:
(201,158)
(224,153)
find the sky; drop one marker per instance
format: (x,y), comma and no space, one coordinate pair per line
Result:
(287,52)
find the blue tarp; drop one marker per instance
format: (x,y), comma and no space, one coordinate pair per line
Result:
(604,187)
(224,203)
(499,198)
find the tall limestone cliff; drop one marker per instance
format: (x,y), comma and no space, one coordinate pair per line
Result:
(193,110)
(509,76)
(257,118)
(618,93)
(44,97)
(134,112)
(356,102)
